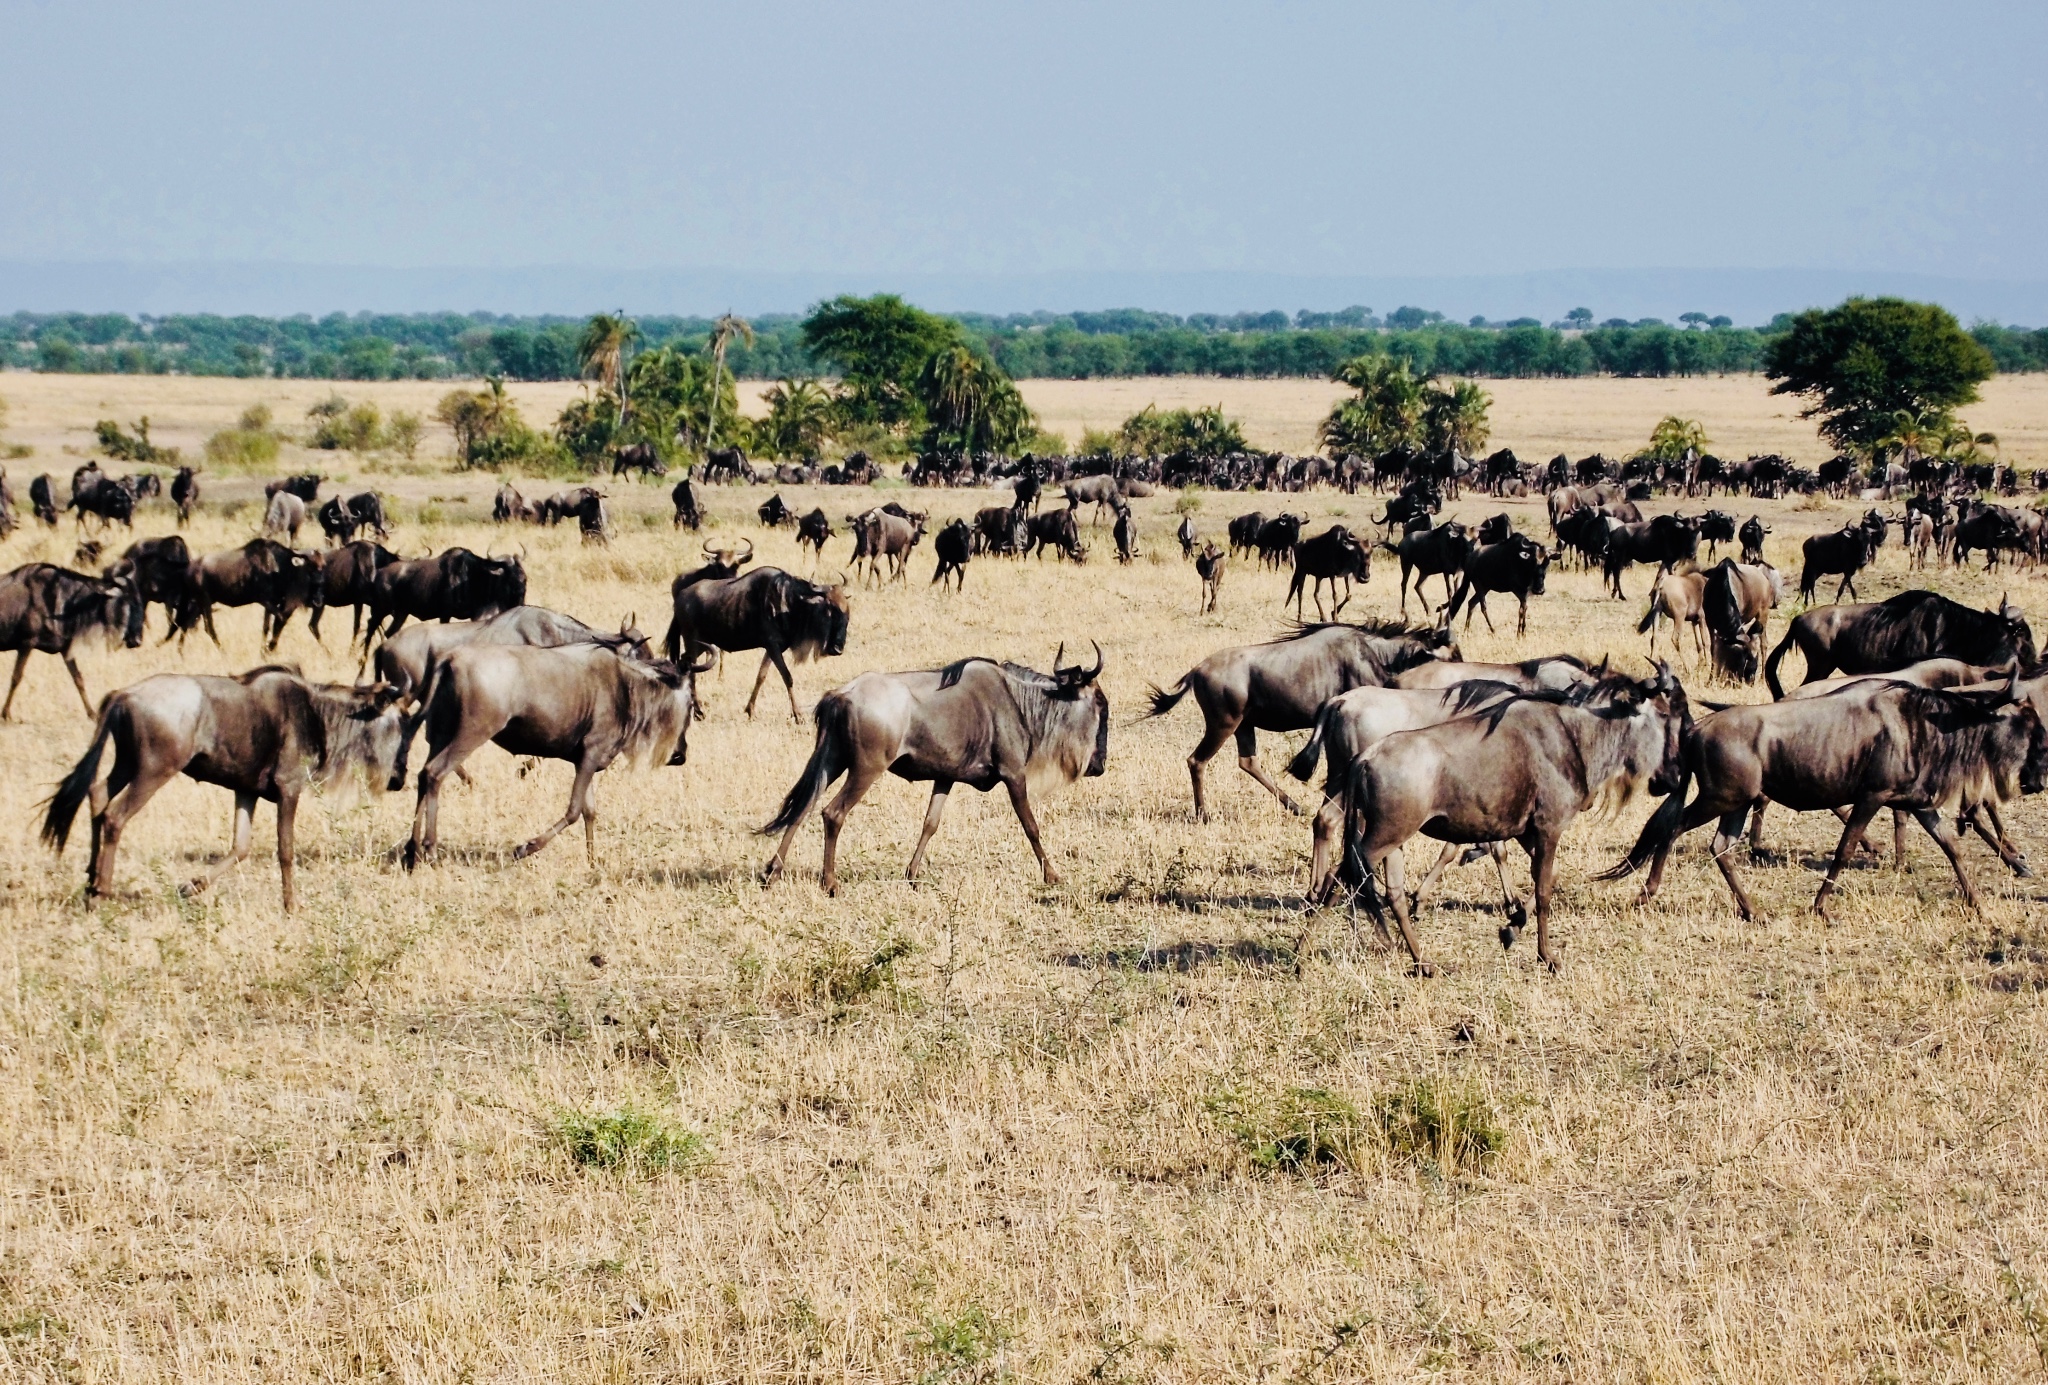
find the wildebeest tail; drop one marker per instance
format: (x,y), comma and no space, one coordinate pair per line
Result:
(1304,763)
(828,762)
(1771,664)
(1658,834)
(75,786)
(1165,700)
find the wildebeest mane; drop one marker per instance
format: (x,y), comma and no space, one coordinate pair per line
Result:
(1475,693)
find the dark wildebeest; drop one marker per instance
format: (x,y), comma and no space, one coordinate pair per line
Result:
(1665,540)
(1518,565)
(725,561)
(1847,551)
(975,722)
(1424,553)
(348,577)
(268,734)
(1716,528)
(1279,686)
(1880,636)
(640,457)
(1752,536)
(44,609)
(107,500)
(336,521)
(1868,746)
(157,568)
(1277,537)
(730,465)
(1736,605)
(1333,556)
(185,492)
(306,487)
(1519,772)
(262,572)
(686,506)
(367,507)
(1243,532)
(1002,529)
(1055,529)
(42,498)
(509,505)
(954,545)
(1209,565)
(1494,529)
(814,531)
(774,513)
(565,504)
(1984,528)
(1099,491)
(1406,508)
(1125,532)
(1186,534)
(582,703)
(768,610)
(453,585)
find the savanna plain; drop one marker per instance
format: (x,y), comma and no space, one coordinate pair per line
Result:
(531,1120)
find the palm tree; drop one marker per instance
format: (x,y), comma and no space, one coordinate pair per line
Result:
(601,353)
(1455,417)
(799,417)
(722,333)
(1385,414)
(1673,437)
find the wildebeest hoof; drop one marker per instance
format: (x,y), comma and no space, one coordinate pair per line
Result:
(191,887)
(526,849)
(1291,806)
(1551,966)
(1424,970)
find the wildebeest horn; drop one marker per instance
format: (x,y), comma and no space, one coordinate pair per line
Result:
(1095,672)
(743,557)
(1056,658)
(709,551)
(703,662)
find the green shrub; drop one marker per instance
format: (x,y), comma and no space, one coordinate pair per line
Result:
(629,1140)
(1301,1129)
(1454,1128)
(958,1346)
(242,449)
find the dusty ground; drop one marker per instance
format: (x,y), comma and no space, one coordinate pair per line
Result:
(243,1146)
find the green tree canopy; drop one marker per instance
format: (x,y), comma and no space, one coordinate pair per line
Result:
(1385,413)
(1454,417)
(1674,436)
(1870,359)
(880,346)
(799,421)
(1155,432)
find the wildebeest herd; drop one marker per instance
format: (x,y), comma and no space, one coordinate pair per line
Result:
(1916,703)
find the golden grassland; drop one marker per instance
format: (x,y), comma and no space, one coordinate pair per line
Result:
(1154,1123)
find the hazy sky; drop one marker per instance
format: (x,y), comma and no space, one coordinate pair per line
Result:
(1425,138)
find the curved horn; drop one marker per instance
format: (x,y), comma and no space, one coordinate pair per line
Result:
(709,551)
(1096,672)
(1056,658)
(744,557)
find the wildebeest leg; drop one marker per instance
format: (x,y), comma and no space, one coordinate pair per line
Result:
(772,655)
(579,807)
(1212,741)
(1518,917)
(1859,819)
(426,813)
(1479,603)
(122,802)
(1696,816)
(1542,850)
(1522,617)
(932,814)
(1020,799)
(21,664)
(1945,836)
(1248,761)
(78,682)
(1397,895)
(1996,837)
(287,817)
(245,810)
(1443,862)
(858,781)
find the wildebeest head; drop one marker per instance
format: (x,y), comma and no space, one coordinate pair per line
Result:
(1667,694)
(115,604)
(495,584)
(682,678)
(1070,684)
(819,616)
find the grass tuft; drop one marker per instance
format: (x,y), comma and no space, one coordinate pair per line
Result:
(1453,1128)
(1301,1130)
(629,1140)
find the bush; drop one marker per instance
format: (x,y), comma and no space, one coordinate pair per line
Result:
(341,426)
(1298,1131)
(629,1140)
(241,449)
(1454,1129)
(404,432)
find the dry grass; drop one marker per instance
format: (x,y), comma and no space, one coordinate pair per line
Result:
(1153,1124)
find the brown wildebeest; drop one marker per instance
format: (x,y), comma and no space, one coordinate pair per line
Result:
(1676,597)
(814,531)
(157,567)
(581,703)
(407,660)
(1209,565)
(455,584)
(1280,686)
(268,734)
(767,609)
(891,536)
(1519,772)
(44,609)
(185,492)
(262,572)
(1879,636)
(1735,605)
(348,577)
(1876,743)
(975,722)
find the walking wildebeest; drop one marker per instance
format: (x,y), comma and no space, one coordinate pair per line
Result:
(1209,565)
(104,498)
(185,492)
(1002,529)
(1280,685)
(1186,534)
(686,506)
(157,568)
(1736,606)
(954,545)
(975,722)
(44,609)
(1055,529)
(262,572)
(1099,491)
(1752,536)
(285,516)
(42,498)
(774,513)
(1425,553)
(1676,597)
(1352,722)
(453,585)
(1879,636)
(1716,528)
(1868,746)
(268,734)
(1332,556)
(367,509)
(890,535)
(348,577)
(1846,551)
(814,531)
(1986,528)
(1517,564)
(1665,540)
(640,457)
(1243,533)
(407,660)
(1549,673)
(1125,533)
(1519,772)
(768,610)
(583,703)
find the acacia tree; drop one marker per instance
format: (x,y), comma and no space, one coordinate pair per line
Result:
(1864,362)
(880,346)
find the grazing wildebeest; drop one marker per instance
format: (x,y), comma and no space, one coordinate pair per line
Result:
(814,531)
(1333,556)
(157,568)
(185,492)
(262,572)
(44,609)
(1243,533)
(348,577)
(1986,528)
(1517,564)
(685,501)
(336,521)
(1879,636)
(975,722)
(640,457)
(268,734)
(1125,533)
(1209,565)
(367,508)
(1752,536)
(1716,528)
(1870,745)
(1277,537)
(767,609)
(284,517)
(101,496)
(1099,491)
(1424,553)
(1279,686)
(1847,551)
(583,703)
(1002,529)
(509,505)
(1057,530)
(1665,540)
(1186,534)
(42,498)
(954,545)
(306,487)
(729,464)
(1520,771)
(1736,605)
(453,585)
(774,513)
(565,504)
(1676,597)
(1549,673)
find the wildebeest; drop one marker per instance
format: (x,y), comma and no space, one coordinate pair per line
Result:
(1424,553)
(1277,537)
(1055,529)
(1125,532)
(685,500)
(891,534)
(1349,723)
(1665,540)
(1186,535)
(367,509)
(1520,771)
(306,487)
(814,531)
(1243,533)
(1735,604)
(1002,529)
(348,577)
(101,496)
(452,585)
(1209,565)
(728,464)
(569,503)
(45,609)
(284,516)
(1676,597)
(583,703)
(774,513)
(767,609)
(42,498)
(336,522)
(1989,529)
(640,457)
(1846,552)
(1716,528)
(509,505)
(157,568)
(975,722)
(1547,673)
(954,545)
(407,660)
(1868,746)
(185,492)
(1333,556)
(1279,686)
(1518,565)
(1752,536)
(1099,491)
(262,572)
(1879,636)
(268,734)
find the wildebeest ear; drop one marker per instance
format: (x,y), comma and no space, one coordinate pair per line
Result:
(383,694)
